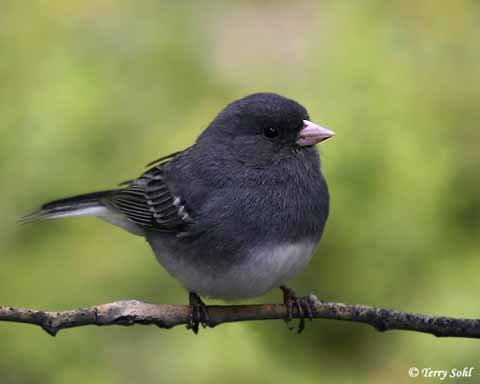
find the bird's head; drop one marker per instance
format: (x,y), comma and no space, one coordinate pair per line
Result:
(264,128)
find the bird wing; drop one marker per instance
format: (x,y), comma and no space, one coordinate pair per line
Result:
(149,202)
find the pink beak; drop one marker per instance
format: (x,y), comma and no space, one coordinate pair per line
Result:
(312,134)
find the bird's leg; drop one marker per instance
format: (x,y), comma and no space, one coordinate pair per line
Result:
(302,305)
(198,312)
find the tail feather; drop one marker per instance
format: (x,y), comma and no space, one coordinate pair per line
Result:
(89,204)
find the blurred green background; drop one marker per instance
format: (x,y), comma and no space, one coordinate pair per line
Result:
(92,90)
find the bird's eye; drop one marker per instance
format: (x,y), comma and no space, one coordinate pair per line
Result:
(271,132)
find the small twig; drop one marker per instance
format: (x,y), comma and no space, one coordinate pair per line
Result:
(167,316)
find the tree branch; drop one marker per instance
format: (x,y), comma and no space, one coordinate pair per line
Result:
(167,316)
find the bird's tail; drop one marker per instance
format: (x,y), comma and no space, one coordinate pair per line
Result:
(89,204)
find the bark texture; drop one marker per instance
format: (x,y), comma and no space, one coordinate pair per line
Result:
(131,312)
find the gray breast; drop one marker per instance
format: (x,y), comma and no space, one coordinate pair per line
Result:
(263,269)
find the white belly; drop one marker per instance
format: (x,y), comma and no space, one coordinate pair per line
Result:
(265,269)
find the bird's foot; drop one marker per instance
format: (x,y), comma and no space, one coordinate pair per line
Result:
(302,305)
(198,313)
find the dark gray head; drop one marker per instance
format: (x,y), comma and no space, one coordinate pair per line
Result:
(264,128)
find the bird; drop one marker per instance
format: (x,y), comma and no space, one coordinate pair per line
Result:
(235,215)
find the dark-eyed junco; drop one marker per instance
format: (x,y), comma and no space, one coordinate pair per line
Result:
(236,214)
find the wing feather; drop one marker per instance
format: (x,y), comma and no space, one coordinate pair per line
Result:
(149,202)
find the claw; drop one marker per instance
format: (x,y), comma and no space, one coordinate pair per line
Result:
(302,305)
(198,313)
